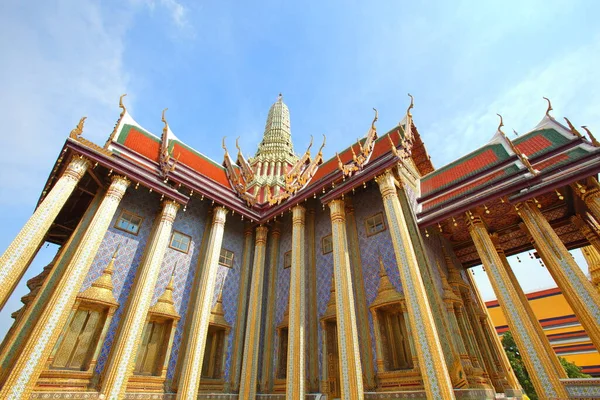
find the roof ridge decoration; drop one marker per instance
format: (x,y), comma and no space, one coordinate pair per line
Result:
(365,151)
(116,128)
(239,177)
(300,174)
(592,137)
(76,133)
(406,142)
(166,164)
(522,157)
(572,128)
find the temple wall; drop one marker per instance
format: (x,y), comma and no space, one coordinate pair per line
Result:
(324,264)
(283,282)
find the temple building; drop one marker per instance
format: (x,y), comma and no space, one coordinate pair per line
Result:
(289,276)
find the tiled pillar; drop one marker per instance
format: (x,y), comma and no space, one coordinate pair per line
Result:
(313,318)
(592,235)
(432,364)
(537,361)
(583,298)
(525,302)
(296,360)
(362,312)
(348,347)
(512,388)
(240,321)
(590,194)
(266,381)
(124,349)
(21,380)
(23,248)
(592,256)
(251,349)
(189,379)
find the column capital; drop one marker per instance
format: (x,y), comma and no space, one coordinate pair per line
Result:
(77,167)
(118,187)
(338,212)
(261,234)
(298,214)
(387,184)
(219,214)
(248,229)
(473,220)
(169,211)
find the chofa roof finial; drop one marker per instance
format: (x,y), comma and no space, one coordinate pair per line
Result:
(501,124)
(549,107)
(412,104)
(592,138)
(78,130)
(121,105)
(374,119)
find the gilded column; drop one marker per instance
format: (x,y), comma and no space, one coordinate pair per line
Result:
(592,236)
(27,368)
(525,302)
(348,347)
(512,388)
(189,380)
(313,318)
(431,358)
(592,256)
(362,312)
(583,298)
(296,362)
(240,328)
(537,361)
(252,341)
(124,349)
(266,381)
(23,248)
(590,194)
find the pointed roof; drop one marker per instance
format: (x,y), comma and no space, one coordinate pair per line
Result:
(277,138)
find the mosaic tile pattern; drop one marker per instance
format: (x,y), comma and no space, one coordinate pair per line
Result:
(283,281)
(324,264)
(129,257)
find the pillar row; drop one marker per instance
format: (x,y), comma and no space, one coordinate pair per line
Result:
(537,361)
(583,298)
(124,349)
(189,380)
(30,363)
(23,248)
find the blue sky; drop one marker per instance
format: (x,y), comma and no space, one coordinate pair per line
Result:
(218,66)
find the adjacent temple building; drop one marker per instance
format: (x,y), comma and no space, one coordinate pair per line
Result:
(286,276)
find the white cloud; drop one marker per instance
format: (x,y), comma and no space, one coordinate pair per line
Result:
(572,80)
(177,11)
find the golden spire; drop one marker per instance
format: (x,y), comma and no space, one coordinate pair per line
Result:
(78,130)
(330,311)
(101,290)
(549,107)
(386,293)
(572,128)
(165,305)
(592,138)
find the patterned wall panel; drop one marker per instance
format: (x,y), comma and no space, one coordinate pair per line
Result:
(145,205)
(324,270)
(283,280)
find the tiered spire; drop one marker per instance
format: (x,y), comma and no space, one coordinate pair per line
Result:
(277,139)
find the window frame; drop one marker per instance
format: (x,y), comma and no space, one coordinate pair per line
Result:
(177,248)
(232,257)
(379,214)
(124,211)
(330,236)
(285,256)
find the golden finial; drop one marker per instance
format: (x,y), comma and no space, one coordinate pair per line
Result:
(549,107)
(78,130)
(382,271)
(323,145)
(572,128)
(412,104)
(592,138)
(501,123)
(163,119)
(237,144)
(374,119)
(122,105)
(280,97)
(223,144)
(116,251)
